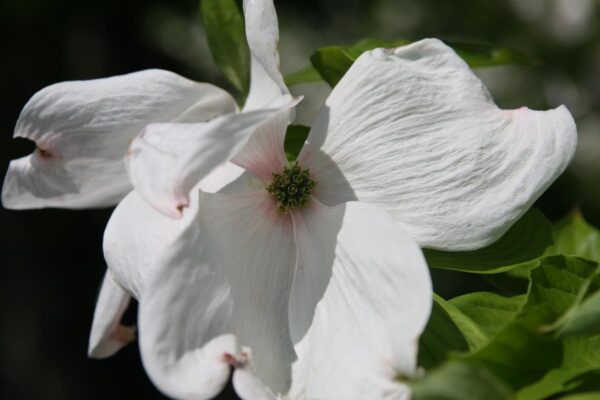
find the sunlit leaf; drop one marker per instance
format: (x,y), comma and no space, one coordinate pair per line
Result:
(583,396)
(561,290)
(522,354)
(489,312)
(583,387)
(226,36)
(582,317)
(507,334)
(585,319)
(574,236)
(554,382)
(581,363)
(519,355)
(525,242)
(460,381)
(441,336)
(465,323)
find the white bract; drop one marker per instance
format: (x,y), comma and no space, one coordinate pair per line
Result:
(315,267)
(308,278)
(82,131)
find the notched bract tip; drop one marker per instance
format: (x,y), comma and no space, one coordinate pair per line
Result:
(123,334)
(240,360)
(44,154)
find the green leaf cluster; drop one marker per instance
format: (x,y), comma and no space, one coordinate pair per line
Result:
(543,343)
(331,63)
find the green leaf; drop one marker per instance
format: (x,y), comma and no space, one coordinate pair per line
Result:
(480,55)
(474,334)
(583,396)
(489,312)
(465,324)
(305,75)
(581,355)
(581,359)
(524,243)
(332,62)
(226,36)
(554,382)
(562,381)
(574,236)
(561,290)
(371,43)
(584,385)
(558,282)
(519,355)
(440,337)
(522,354)
(507,334)
(582,317)
(460,381)
(295,136)
(585,319)
(510,283)
(484,321)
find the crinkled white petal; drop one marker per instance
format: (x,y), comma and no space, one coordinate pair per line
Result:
(137,234)
(377,301)
(229,273)
(82,130)
(413,130)
(262,32)
(167,160)
(108,335)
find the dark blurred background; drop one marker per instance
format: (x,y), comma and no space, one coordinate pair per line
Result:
(51,260)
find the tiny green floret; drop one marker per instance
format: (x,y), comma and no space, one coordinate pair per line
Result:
(291,188)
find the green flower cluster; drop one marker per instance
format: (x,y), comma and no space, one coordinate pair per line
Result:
(291,188)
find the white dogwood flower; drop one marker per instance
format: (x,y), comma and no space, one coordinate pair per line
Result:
(307,278)
(82,131)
